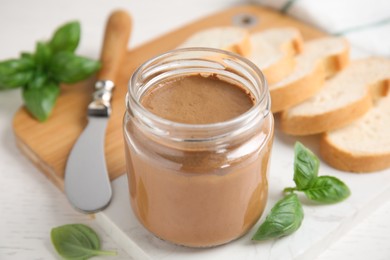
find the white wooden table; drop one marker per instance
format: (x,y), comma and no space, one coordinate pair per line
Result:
(29,204)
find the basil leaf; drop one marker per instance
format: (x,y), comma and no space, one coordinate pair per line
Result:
(285,218)
(66,37)
(42,55)
(38,80)
(77,241)
(68,68)
(41,100)
(15,72)
(27,55)
(327,189)
(306,166)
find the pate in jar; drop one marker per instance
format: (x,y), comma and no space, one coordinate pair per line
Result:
(198,135)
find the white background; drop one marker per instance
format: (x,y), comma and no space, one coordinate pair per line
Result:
(29,204)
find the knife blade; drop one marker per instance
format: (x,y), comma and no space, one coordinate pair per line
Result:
(87,183)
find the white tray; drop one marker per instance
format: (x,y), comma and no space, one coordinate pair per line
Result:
(322,224)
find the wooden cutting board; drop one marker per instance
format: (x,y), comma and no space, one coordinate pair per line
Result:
(48,144)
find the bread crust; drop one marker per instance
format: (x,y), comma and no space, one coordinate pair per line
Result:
(295,92)
(347,161)
(315,124)
(335,63)
(286,65)
(338,117)
(280,70)
(243,47)
(285,42)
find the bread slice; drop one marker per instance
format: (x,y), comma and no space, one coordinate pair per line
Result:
(234,39)
(362,146)
(320,59)
(343,99)
(274,50)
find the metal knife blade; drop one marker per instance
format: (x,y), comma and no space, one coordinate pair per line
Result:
(87,183)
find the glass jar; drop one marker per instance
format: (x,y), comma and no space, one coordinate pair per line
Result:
(198,185)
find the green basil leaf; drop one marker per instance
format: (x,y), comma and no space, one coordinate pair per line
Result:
(285,218)
(328,189)
(15,80)
(306,166)
(68,68)
(40,100)
(77,241)
(42,55)
(15,72)
(66,37)
(27,55)
(38,80)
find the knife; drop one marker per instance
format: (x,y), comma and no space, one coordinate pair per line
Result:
(87,184)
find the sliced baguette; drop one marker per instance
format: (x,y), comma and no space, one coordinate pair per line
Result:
(320,59)
(232,39)
(343,99)
(362,146)
(274,50)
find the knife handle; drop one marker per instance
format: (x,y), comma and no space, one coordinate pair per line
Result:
(115,42)
(113,52)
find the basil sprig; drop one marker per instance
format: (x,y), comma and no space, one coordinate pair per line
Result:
(77,241)
(323,189)
(287,214)
(40,73)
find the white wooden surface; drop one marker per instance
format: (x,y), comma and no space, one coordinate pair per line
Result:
(29,204)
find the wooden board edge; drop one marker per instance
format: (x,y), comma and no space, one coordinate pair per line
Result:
(48,171)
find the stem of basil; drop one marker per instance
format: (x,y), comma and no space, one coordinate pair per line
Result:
(290,189)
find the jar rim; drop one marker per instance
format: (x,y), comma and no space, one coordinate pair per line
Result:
(262,99)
